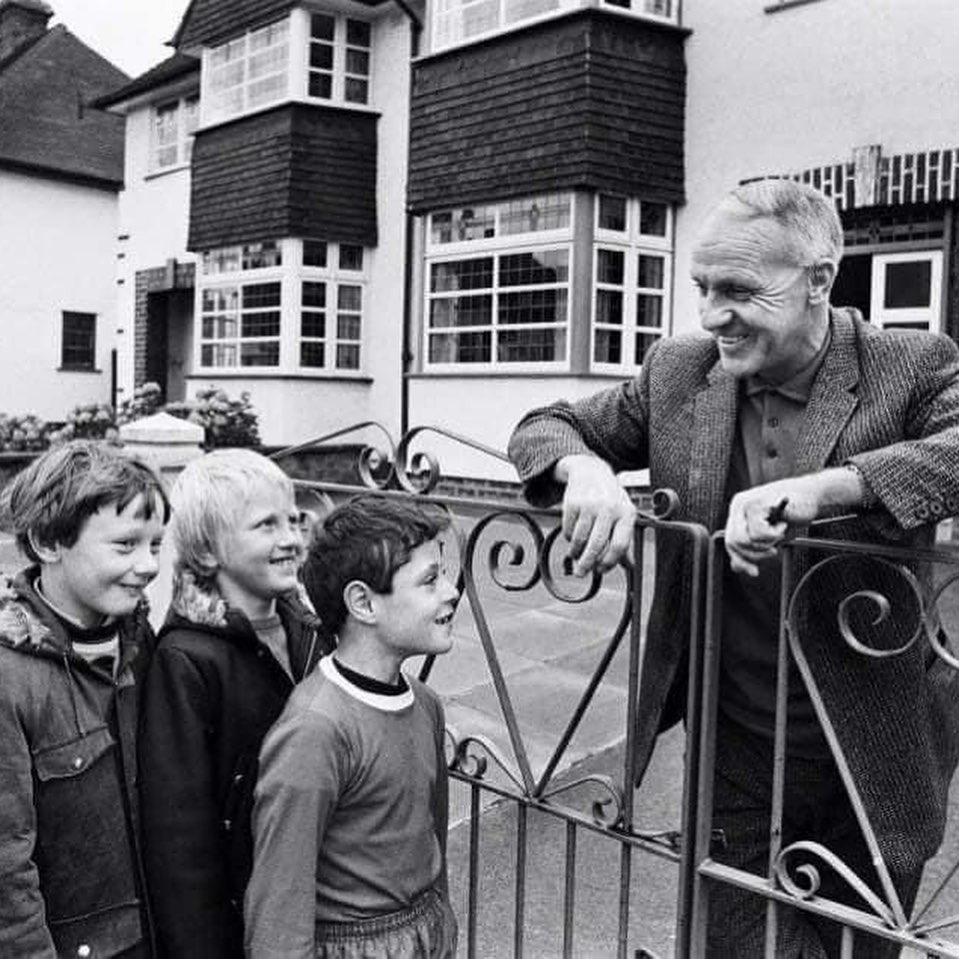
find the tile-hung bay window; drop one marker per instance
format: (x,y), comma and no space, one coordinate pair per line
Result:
(459,21)
(289,306)
(339,58)
(497,285)
(247,73)
(632,272)
(174,124)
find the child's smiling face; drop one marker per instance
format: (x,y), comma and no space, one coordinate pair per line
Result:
(259,556)
(105,572)
(416,616)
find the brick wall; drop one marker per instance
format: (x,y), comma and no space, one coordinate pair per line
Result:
(158,279)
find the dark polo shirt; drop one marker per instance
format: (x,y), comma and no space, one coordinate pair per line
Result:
(767,435)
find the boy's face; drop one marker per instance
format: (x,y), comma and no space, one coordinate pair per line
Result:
(259,557)
(106,570)
(417,615)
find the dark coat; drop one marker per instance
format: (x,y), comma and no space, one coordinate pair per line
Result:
(211,695)
(887,402)
(70,862)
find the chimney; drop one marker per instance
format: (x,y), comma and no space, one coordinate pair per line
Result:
(21,21)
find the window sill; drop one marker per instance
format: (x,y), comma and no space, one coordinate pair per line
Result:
(328,376)
(79,369)
(529,374)
(786,5)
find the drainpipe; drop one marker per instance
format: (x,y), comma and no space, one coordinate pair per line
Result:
(406,358)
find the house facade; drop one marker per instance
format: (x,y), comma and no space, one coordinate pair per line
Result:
(448,213)
(61,168)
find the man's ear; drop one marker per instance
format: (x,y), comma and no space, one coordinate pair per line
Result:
(358,599)
(821,278)
(46,552)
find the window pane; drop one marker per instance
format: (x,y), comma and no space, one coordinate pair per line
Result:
(357,33)
(260,354)
(322,26)
(608,347)
(908,284)
(311,354)
(321,85)
(347,356)
(222,300)
(321,56)
(351,257)
(612,213)
(549,266)
(355,91)
(652,219)
(79,340)
(643,342)
(313,324)
(261,324)
(219,327)
(261,294)
(532,214)
(358,61)
(314,294)
(314,253)
(610,266)
(261,256)
(349,298)
(609,307)
(460,347)
(651,271)
(462,275)
(533,306)
(347,327)
(218,354)
(462,311)
(649,310)
(531,346)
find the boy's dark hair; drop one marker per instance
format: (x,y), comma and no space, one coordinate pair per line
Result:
(49,501)
(368,538)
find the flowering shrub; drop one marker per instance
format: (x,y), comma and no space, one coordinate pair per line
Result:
(88,421)
(22,433)
(146,400)
(226,422)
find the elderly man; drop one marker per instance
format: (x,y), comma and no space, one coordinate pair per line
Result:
(788,411)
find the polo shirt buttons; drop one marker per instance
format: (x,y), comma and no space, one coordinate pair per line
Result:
(773,421)
(84,951)
(772,452)
(78,764)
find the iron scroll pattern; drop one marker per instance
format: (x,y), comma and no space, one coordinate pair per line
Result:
(796,869)
(531,556)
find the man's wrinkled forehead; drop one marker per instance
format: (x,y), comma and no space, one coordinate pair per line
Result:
(735,235)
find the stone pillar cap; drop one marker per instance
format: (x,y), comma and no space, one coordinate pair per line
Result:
(162,428)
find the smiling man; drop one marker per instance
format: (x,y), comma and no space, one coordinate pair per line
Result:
(788,411)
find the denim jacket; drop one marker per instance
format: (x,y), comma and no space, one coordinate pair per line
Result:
(71,878)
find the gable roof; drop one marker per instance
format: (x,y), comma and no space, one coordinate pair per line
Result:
(209,22)
(178,66)
(46,122)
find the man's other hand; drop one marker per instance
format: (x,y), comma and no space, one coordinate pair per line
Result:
(598,515)
(759,518)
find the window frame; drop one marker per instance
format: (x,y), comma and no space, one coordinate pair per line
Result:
(633,244)
(86,366)
(495,247)
(915,318)
(290,273)
(184,133)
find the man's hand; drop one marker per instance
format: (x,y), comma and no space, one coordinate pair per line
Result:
(598,516)
(759,518)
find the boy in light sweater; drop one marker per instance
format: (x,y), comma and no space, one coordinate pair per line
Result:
(350,815)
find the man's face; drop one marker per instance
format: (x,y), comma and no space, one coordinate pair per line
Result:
(753,301)
(416,616)
(260,556)
(105,572)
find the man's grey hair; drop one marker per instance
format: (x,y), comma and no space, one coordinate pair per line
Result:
(808,216)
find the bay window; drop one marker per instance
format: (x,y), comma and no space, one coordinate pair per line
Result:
(282,306)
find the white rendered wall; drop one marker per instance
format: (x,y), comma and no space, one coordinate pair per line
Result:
(802,87)
(59,253)
(154,219)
